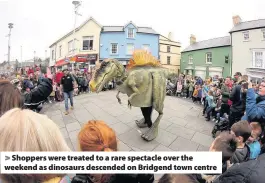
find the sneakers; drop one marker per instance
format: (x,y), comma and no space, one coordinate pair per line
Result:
(66,112)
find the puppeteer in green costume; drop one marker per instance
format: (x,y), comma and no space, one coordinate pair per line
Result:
(144,81)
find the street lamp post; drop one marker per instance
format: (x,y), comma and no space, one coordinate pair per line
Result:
(77,4)
(10,26)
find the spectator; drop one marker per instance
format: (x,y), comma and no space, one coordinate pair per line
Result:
(58,76)
(253,142)
(255,107)
(36,133)
(238,98)
(97,136)
(242,131)
(30,100)
(211,105)
(177,178)
(225,91)
(68,83)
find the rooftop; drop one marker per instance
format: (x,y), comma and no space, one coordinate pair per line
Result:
(210,43)
(260,23)
(147,30)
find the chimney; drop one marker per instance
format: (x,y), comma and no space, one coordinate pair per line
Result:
(192,39)
(236,20)
(170,36)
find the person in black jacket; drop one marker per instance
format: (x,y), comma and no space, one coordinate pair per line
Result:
(238,98)
(251,171)
(32,99)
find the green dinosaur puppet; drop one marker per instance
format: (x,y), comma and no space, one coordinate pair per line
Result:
(144,82)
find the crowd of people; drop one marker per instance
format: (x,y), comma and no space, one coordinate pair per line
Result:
(236,102)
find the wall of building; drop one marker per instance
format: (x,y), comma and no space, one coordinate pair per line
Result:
(174,53)
(243,50)
(91,28)
(199,60)
(140,39)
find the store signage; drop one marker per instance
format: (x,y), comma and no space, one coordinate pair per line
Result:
(91,57)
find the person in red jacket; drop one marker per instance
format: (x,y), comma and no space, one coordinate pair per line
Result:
(59,76)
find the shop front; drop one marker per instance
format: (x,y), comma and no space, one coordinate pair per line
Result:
(255,74)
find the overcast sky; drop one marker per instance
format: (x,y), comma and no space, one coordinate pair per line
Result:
(38,23)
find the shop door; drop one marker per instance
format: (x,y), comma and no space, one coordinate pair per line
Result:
(201,74)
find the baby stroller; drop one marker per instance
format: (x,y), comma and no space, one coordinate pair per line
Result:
(221,125)
(170,89)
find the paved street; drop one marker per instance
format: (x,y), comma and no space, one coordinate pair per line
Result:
(182,127)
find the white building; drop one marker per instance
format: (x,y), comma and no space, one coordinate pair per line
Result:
(248,47)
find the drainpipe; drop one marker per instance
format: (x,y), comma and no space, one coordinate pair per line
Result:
(231,60)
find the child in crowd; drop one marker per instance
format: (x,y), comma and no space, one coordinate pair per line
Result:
(253,141)
(199,97)
(242,131)
(179,88)
(191,88)
(211,105)
(195,93)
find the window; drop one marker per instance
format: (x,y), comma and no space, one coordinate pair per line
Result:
(114,48)
(263,34)
(60,50)
(88,42)
(190,59)
(146,47)
(130,49)
(208,58)
(130,33)
(70,46)
(168,49)
(52,54)
(258,59)
(168,60)
(246,36)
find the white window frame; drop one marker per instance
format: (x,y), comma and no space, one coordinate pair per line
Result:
(70,46)
(168,50)
(190,59)
(207,58)
(263,34)
(60,50)
(169,60)
(246,35)
(262,56)
(130,34)
(52,54)
(146,47)
(130,52)
(111,48)
(88,38)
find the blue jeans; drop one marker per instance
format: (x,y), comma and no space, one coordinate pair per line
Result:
(66,96)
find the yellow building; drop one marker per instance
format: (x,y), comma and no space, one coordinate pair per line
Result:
(84,52)
(169,52)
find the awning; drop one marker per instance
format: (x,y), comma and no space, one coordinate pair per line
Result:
(61,63)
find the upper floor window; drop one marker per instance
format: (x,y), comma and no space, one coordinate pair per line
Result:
(130,33)
(60,51)
(70,46)
(168,49)
(88,42)
(190,59)
(246,36)
(258,59)
(168,60)
(114,48)
(52,54)
(263,34)
(146,47)
(130,49)
(208,58)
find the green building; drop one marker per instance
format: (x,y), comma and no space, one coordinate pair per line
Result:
(207,58)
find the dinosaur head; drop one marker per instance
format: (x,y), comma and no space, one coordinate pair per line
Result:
(108,70)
